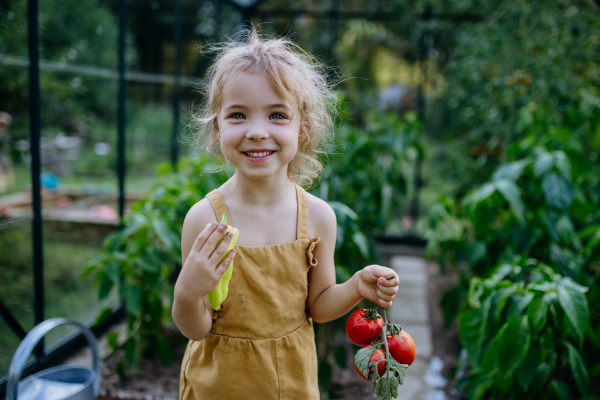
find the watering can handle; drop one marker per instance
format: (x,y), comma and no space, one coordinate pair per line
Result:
(24,350)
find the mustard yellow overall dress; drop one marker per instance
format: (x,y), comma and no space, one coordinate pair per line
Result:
(261,344)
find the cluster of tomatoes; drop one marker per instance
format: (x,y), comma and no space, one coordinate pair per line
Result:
(365,329)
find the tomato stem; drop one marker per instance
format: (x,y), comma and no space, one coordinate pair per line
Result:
(387,349)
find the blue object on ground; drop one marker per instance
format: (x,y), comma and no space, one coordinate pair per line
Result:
(51,181)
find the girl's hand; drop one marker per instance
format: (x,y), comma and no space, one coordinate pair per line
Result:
(201,274)
(373,285)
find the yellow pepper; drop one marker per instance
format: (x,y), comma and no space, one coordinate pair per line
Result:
(219,294)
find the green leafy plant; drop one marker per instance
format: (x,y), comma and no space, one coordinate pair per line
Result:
(523,330)
(527,244)
(370,167)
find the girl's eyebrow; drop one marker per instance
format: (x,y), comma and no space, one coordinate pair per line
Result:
(241,106)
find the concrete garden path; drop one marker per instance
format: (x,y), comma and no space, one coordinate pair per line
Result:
(411,310)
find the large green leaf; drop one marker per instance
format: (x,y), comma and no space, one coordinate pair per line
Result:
(537,313)
(575,306)
(578,369)
(557,191)
(510,171)
(513,343)
(480,194)
(471,330)
(526,371)
(510,191)
(133,299)
(518,303)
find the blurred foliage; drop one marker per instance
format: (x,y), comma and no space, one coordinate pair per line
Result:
(370,167)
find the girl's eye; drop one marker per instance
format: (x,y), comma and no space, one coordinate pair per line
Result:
(237,116)
(278,116)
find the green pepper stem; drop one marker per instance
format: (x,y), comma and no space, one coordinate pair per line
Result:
(224,217)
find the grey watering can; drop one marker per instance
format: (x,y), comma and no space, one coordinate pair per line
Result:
(65,382)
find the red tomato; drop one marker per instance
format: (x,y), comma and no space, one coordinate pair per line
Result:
(378,355)
(361,329)
(402,348)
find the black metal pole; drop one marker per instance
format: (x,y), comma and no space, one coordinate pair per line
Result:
(176,86)
(121,111)
(34,120)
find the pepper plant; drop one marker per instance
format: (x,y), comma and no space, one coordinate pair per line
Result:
(528,243)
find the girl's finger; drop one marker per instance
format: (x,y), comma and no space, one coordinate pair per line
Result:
(390,291)
(219,252)
(211,243)
(384,296)
(383,303)
(203,237)
(388,283)
(222,267)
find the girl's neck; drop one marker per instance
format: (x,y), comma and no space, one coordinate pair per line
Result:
(260,193)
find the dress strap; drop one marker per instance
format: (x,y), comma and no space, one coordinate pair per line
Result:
(219,206)
(302,222)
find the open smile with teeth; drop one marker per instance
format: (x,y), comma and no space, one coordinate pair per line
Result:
(260,154)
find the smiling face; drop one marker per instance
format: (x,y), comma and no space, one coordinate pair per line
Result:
(258,128)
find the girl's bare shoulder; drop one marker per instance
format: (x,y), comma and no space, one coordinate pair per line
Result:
(195,221)
(321,217)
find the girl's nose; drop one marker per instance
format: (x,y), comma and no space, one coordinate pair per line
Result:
(257,131)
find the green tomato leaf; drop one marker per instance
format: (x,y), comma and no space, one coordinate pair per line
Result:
(510,191)
(575,306)
(513,343)
(361,359)
(399,370)
(557,191)
(578,368)
(537,313)
(387,388)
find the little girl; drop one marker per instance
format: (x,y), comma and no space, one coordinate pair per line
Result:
(266,113)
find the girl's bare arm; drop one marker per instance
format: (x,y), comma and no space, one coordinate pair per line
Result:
(327,300)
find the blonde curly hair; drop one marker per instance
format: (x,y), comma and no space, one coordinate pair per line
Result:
(293,73)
